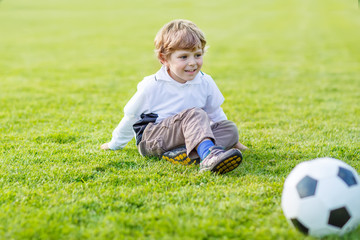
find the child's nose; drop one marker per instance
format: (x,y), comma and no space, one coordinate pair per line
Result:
(192,62)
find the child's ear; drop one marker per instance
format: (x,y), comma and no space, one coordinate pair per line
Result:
(163,59)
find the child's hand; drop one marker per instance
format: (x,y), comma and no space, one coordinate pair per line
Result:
(105,146)
(241,147)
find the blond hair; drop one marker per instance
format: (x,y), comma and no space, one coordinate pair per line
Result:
(176,35)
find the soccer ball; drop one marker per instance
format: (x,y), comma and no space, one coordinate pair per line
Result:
(322,197)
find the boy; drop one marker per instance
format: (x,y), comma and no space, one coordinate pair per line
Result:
(176,113)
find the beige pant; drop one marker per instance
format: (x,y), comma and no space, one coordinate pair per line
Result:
(189,128)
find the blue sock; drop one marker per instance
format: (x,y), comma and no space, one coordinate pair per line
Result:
(203,148)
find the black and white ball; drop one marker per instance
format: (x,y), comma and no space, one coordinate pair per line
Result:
(322,197)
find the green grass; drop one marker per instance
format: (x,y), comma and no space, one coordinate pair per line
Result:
(289,71)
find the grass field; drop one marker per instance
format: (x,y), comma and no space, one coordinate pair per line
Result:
(289,71)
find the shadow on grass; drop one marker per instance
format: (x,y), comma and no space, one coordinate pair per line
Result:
(267,162)
(60,138)
(127,159)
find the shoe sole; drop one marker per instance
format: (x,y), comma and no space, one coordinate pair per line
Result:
(228,164)
(180,158)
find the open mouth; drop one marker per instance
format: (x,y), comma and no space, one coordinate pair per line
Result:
(191,71)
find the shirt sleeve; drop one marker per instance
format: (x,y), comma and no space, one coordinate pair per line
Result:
(213,103)
(124,132)
(218,115)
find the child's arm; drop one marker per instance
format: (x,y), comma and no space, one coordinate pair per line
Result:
(123,133)
(214,110)
(217,115)
(241,147)
(214,101)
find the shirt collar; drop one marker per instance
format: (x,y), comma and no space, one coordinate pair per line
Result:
(163,75)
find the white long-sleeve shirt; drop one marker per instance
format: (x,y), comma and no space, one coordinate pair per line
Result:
(161,94)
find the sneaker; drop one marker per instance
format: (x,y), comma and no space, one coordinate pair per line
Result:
(179,156)
(221,161)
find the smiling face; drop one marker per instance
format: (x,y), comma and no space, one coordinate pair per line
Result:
(184,65)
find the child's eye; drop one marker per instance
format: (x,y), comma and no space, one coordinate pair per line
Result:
(183,57)
(198,55)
